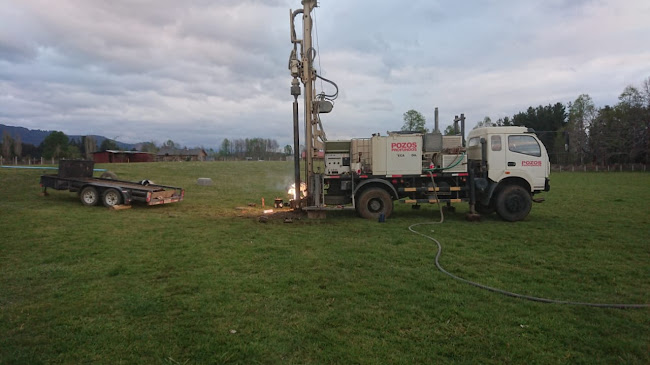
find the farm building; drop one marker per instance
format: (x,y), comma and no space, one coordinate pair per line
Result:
(112,156)
(176,154)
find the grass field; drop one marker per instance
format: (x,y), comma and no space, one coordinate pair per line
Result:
(203,282)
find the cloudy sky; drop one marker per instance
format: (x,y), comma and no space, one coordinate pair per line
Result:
(198,71)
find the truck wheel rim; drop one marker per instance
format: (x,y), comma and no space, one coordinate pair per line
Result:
(374,205)
(514,204)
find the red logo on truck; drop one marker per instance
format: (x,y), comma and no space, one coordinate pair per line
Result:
(404,146)
(531,163)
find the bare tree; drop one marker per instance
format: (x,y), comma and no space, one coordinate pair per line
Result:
(7,142)
(582,113)
(90,146)
(18,146)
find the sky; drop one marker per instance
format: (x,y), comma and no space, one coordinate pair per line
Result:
(199,71)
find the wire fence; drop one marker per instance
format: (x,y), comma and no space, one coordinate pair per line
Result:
(600,168)
(623,167)
(24,161)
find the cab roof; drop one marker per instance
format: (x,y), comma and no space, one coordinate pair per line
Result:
(498,130)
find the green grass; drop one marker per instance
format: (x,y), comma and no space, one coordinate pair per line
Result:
(202,282)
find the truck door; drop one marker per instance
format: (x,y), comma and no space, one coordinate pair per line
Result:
(496,157)
(525,157)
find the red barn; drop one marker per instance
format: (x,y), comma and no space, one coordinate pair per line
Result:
(111,156)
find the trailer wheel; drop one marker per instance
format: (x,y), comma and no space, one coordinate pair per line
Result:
(109,175)
(89,196)
(513,203)
(111,198)
(373,202)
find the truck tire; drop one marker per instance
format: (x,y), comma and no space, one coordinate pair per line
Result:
(108,175)
(89,196)
(111,198)
(513,203)
(373,202)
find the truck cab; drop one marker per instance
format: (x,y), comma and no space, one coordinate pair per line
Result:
(509,156)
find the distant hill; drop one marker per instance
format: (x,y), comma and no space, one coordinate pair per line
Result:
(36,136)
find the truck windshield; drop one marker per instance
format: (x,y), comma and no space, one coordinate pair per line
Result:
(524,144)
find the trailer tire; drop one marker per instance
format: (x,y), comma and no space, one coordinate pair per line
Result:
(373,202)
(513,203)
(110,175)
(111,197)
(89,196)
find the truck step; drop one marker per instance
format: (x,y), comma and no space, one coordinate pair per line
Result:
(430,189)
(430,201)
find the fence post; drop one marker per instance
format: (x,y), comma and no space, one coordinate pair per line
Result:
(15,160)
(620,167)
(632,167)
(585,168)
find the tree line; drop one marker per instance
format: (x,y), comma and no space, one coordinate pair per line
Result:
(252,148)
(579,132)
(58,145)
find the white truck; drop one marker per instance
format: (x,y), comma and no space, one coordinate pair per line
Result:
(501,169)
(498,169)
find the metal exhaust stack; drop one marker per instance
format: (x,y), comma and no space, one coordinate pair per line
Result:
(437,121)
(462,127)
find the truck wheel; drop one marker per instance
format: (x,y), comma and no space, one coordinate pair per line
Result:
(108,175)
(111,198)
(513,203)
(89,196)
(373,202)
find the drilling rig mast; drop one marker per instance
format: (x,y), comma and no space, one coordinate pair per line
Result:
(302,67)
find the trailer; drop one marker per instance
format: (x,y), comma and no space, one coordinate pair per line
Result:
(77,176)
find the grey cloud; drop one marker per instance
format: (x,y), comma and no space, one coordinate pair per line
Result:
(202,70)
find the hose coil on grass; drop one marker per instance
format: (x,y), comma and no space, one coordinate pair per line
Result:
(511,294)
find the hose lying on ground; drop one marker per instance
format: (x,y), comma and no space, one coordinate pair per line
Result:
(505,292)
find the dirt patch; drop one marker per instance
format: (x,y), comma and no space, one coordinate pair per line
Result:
(286,215)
